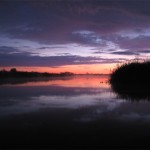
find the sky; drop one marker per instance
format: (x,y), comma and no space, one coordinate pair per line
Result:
(80,36)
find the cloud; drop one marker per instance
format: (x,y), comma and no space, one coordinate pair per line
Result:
(63,54)
(138,43)
(110,27)
(29,59)
(87,37)
(52,47)
(125,53)
(7,50)
(43,48)
(55,21)
(144,51)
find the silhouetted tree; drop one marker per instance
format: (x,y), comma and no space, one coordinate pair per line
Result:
(13,70)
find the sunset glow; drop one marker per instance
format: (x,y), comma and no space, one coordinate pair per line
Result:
(77,69)
(72,82)
(77,36)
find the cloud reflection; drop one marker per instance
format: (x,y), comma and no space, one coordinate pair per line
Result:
(91,103)
(69,94)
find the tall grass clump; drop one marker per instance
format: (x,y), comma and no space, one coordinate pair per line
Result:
(131,73)
(131,80)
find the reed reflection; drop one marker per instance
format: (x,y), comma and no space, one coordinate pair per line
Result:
(70,109)
(132,92)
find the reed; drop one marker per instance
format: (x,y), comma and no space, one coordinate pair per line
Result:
(131,73)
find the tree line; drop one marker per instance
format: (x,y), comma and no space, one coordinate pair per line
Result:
(13,73)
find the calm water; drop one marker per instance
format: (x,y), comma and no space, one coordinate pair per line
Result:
(71,112)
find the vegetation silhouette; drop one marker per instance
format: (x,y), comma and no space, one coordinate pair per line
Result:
(132,80)
(13,76)
(13,73)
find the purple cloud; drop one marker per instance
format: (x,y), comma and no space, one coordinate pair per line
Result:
(135,44)
(27,59)
(125,53)
(54,21)
(103,25)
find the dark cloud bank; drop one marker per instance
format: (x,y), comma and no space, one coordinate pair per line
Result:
(125,23)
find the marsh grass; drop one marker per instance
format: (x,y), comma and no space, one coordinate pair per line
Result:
(131,80)
(131,73)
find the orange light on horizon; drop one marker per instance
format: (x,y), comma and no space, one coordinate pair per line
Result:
(77,69)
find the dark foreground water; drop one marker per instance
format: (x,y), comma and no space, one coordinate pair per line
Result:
(78,112)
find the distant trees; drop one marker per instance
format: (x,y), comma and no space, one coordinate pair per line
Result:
(66,74)
(13,70)
(13,73)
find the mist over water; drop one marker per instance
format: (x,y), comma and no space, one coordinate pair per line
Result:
(83,106)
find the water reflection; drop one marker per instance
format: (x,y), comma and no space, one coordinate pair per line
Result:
(75,81)
(79,93)
(74,93)
(75,109)
(132,92)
